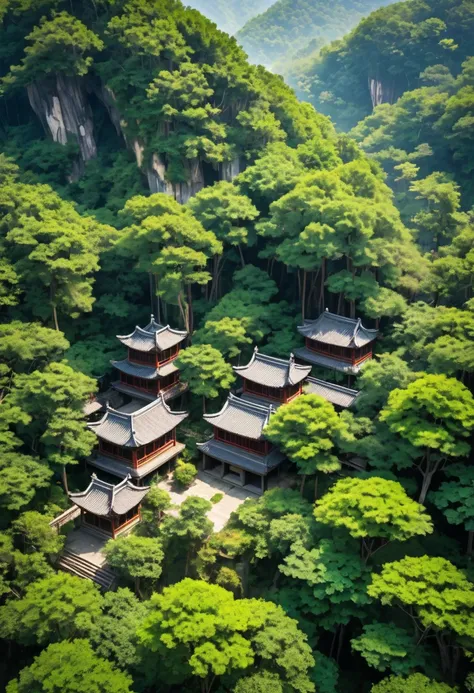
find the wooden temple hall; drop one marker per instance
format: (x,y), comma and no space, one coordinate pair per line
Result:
(109,509)
(336,342)
(149,369)
(238,452)
(267,379)
(137,442)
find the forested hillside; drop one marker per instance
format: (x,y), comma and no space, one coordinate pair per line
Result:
(230,15)
(384,56)
(291,26)
(146,167)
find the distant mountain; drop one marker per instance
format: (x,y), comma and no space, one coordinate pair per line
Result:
(230,15)
(289,25)
(385,56)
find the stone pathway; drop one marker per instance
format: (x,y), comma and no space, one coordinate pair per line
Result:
(207,486)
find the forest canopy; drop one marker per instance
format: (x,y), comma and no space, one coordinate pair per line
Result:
(147,168)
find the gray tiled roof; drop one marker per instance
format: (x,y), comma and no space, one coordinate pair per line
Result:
(146,372)
(241,458)
(271,371)
(241,417)
(336,394)
(132,429)
(121,469)
(334,329)
(169,394)
(101,498)
(327,361)
(153,336)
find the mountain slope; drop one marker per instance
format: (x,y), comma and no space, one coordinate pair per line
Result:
(288,25)
(384,56)
(230,15)
(152,85)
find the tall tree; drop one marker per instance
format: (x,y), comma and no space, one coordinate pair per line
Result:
(70,666)
(435,414)
(374,509)
(205,371)
(436,595)
(136,559)
(307,429)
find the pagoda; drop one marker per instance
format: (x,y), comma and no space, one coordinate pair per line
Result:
(137,442)
(109,509)
(238,451)
(270,380)
(332,341)
(149,369)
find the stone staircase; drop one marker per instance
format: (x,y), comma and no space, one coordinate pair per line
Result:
(72,563)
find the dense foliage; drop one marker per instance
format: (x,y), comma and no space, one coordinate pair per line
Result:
(358,582)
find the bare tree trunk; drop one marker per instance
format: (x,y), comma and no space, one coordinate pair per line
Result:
(241,255)
(316,479)
(158,311)
(190,310)
(150,286)
(303,296)
(52,293)
(323,279)
(64,476)
(303,481)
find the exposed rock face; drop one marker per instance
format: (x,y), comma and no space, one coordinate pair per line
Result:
(155,174)
(62,107)
(107,97)
(194,182)
(228,170)
(381,92)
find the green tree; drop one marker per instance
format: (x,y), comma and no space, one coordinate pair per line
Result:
(53,400)
(205,371)
(200,631)
(261,682)
(21,476)
(374,509)
(68,667)
(136,559)
(61,44)
(436,414)
(387,647)
(185,532)
(456,499)
(114,634)
(307,429)
(436,595)
(55,608)
(415,683)
(378,378)
(223,209)
(26,344)
(154,505)
(227,335)
(36,535)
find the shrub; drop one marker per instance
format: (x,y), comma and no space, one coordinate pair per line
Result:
(216,498)
(185,473)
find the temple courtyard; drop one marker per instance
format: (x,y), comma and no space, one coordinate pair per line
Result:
(206,486)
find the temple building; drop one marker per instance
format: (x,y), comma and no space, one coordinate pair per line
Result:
(238,451)
(137,442)
(149,369)
(341,397)
(269,380)
(332,341)
(109,509)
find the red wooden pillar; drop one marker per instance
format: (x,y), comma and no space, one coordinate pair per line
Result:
(134,459)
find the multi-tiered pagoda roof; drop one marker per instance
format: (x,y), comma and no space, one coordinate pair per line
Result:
(334,341)
(137,442)
(267,378)
(238,437)
(153,337)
